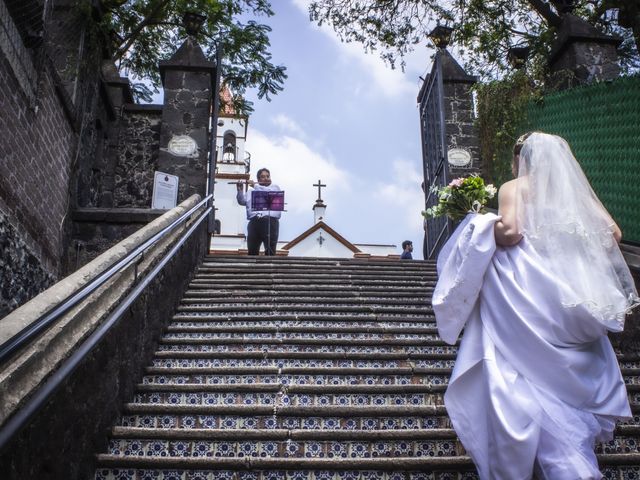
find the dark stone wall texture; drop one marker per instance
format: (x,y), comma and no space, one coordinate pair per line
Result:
(21,274)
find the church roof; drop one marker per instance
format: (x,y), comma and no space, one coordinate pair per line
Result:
(226,101)
(321,225)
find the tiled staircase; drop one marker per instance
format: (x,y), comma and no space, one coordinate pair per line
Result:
(285,368)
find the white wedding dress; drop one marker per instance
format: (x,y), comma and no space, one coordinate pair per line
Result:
(536,383)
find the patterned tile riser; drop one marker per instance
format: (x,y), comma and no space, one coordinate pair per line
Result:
(286,449)
(297,379)
(619,445)
(631,380)
(231,322)
(278,422)
(323,336)
(308,348)
(296,362)
(284,398)
(248,314)
(131,474)
(621,473)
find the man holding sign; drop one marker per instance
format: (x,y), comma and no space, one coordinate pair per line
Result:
(264,206)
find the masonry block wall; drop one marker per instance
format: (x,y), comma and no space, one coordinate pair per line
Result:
(459,126)
(136,155)
(36,153)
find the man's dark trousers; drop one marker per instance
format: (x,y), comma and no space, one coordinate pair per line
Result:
(262,230)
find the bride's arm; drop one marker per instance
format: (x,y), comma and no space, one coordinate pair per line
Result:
(506,229)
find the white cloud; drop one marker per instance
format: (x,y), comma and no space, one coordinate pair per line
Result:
(288,126)
(295,167)
(402,194)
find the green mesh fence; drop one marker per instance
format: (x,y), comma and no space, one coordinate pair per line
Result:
(601,122)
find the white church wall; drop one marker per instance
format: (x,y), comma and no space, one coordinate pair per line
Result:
(378,250)
(311,247)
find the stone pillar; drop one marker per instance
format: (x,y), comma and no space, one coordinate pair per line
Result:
(460,132)
(188,79)
(581,54)
(119,93)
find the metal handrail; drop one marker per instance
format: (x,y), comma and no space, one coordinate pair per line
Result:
(44,321)
(41,396)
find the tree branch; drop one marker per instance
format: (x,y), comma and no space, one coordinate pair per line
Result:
(148,20)
(543,8)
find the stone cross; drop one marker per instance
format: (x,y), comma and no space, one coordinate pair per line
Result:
(319,185)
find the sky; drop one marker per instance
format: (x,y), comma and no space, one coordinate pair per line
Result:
(345,118)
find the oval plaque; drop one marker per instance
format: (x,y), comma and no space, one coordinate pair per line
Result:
(459,157)
(182,146)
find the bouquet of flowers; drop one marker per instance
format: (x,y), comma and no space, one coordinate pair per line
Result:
(463,195)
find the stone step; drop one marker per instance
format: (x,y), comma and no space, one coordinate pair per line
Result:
(331,264)
(238,282)
(326,329)
(261,296)
(398,464)
(391,411)
(364,318)
(248,309)
(374,389)
(415,339)
(254,447)
(311,299)
(248,420)
(268,341)
(318,277)
(326,324)
(313,355)
(285,363)
(278,474)
(238,347)
(274,370)
(284,398)
(242,288)
(302,377)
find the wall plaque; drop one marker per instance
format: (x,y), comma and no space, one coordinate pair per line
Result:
(182,146)
(165,191)
(459,157)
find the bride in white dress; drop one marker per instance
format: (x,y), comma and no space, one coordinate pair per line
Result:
(536,382)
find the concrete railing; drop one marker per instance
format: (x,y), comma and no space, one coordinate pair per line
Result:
(88,401)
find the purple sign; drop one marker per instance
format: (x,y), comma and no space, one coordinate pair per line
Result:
(262,200)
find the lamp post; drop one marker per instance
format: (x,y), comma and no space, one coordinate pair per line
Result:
(192,21)
(563,6)
(441,36)
(517,56)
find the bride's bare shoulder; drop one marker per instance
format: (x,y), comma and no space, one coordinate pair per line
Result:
(508,188)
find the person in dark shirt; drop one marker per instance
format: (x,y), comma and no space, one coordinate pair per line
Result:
(407,248)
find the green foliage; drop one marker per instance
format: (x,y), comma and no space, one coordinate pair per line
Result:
(483,29)
(143,32)
(502,110)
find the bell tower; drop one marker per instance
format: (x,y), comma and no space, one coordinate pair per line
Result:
(233,164)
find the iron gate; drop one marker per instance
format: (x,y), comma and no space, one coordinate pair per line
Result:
(434,153)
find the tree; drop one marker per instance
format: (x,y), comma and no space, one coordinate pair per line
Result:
(143,32)
(484,29)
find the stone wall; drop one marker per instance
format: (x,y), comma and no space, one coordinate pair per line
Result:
(137,156)
(460,130)
(36,155)
(95,230)
(21,274)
